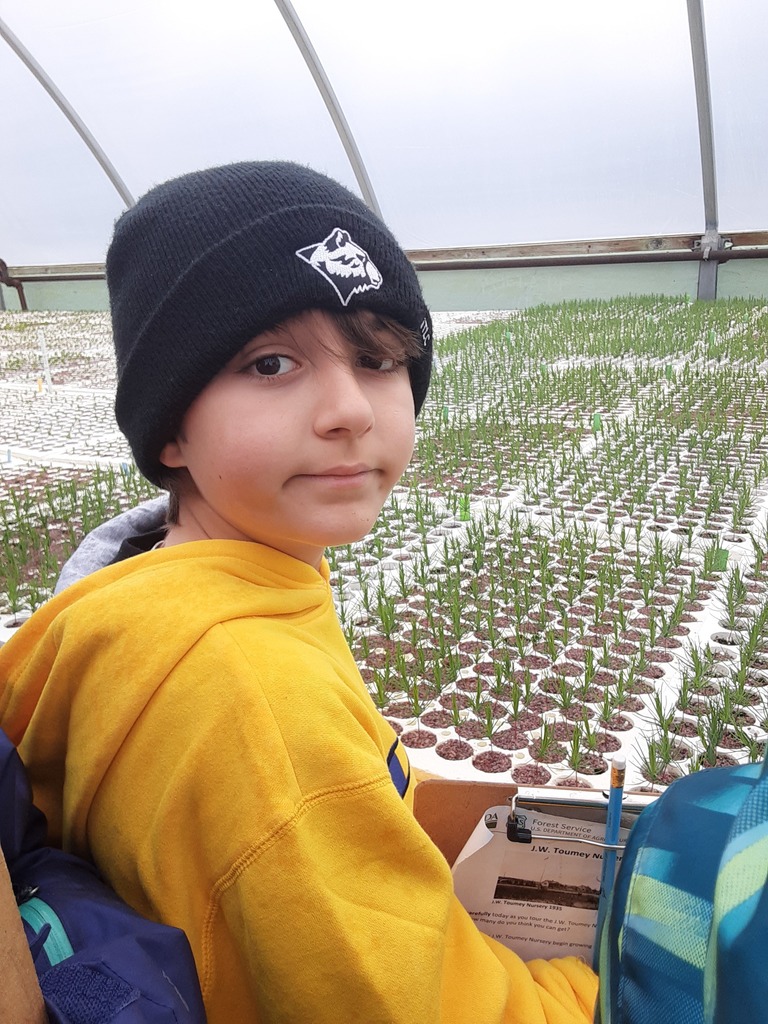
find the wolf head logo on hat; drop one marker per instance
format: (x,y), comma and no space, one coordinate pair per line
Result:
(343,263)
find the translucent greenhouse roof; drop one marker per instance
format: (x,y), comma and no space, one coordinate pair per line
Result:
(496,122)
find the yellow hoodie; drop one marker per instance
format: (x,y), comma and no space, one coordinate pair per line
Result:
(193,721)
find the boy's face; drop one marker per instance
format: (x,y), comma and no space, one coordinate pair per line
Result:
(295,444)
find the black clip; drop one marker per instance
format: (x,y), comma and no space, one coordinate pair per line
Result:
(516,830)
(26,893)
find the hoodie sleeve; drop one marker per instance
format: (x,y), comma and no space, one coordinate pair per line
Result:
(365,926)
(256,811)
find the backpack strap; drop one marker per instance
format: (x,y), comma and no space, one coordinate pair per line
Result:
(72,945)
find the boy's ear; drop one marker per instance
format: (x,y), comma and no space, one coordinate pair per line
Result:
(171,455)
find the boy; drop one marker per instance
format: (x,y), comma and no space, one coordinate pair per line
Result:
(192,718)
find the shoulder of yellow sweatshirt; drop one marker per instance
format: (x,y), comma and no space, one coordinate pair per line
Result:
(193,721)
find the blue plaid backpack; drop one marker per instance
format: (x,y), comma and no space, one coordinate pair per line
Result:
(686,934)
(97,961)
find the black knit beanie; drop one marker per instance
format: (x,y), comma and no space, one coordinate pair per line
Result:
(203,263)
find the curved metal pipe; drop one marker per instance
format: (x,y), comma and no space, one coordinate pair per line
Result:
(69,112)
(711,241)
(704,112)
(329,98)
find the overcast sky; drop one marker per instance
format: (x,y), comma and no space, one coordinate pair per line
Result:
(479,123)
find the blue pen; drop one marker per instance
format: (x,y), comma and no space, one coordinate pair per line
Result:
(612,823)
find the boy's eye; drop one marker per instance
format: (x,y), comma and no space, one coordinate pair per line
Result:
(272,365)
(383,365)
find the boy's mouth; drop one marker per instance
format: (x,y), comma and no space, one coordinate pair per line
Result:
(340,476)
(353,470)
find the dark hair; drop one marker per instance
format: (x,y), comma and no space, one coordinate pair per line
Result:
(371,334)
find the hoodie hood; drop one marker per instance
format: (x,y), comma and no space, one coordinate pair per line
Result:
(101,546)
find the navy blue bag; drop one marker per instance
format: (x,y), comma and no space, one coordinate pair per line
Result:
(97,961)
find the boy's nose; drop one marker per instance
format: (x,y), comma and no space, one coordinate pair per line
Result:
(342,402)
